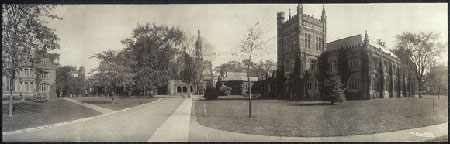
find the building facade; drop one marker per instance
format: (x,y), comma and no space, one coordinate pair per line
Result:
(32,79)
(371,71)
(300,41)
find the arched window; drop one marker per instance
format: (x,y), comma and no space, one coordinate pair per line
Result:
(352,84)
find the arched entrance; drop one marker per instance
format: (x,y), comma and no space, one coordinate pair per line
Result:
(178,89)
(184,89)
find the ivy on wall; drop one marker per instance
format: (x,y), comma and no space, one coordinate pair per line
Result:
(391,82)
(381,78)
(343,70)
(365,75)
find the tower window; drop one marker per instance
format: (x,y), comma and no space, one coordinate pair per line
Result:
(313,64)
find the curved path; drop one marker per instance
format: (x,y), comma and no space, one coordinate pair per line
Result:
(135,125)
(173,119)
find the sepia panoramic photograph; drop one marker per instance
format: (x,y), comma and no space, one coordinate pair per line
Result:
(292,72)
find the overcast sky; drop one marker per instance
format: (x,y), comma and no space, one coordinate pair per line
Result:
(89,29)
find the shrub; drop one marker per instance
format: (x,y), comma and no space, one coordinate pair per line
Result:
(225,90)
(210,93)
(38,97)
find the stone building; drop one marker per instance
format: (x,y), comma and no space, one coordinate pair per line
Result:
(300,41)
(372,71)
(32,79)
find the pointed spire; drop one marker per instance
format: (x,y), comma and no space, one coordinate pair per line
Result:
(366,38)
(323,17)
(289,13)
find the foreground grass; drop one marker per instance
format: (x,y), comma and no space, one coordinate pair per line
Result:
(312,119)
(120,103)
(30,114)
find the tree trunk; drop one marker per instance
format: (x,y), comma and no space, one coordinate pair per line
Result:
(10,97)
(420,88)
(114,95)
(249,92)
(143,96)
(189,90)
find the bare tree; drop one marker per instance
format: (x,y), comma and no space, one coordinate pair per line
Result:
(253,42)
(423,49)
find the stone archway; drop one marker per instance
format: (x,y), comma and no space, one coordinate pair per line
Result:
(185,89)
(179,90)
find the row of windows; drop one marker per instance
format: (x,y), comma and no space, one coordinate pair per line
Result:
(313,86)
(26,73)
(44,76)
(44,87)
(26,86)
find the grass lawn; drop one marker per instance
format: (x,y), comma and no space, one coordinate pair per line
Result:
(317,118)
(120,102)
(30,114)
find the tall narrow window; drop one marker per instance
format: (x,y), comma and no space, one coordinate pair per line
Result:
(313,64)
(352,84)
(374,85)
(306,40)
(309,41)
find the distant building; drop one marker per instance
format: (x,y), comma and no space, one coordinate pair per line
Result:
(32,79)
(237,81)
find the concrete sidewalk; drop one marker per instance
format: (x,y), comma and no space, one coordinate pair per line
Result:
(91,106)
(136,124)
(176,127)
(200,133)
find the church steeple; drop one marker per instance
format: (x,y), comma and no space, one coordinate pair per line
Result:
(323,17)
(198,46)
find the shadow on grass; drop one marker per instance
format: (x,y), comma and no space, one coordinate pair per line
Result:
(312,104)
(240,98)
(98,102)
(21,108)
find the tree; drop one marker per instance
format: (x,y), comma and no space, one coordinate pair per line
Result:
(230,66)
(423,48)
(154,49)
(24,32)
(63,79)
(115,70)
(250,45)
